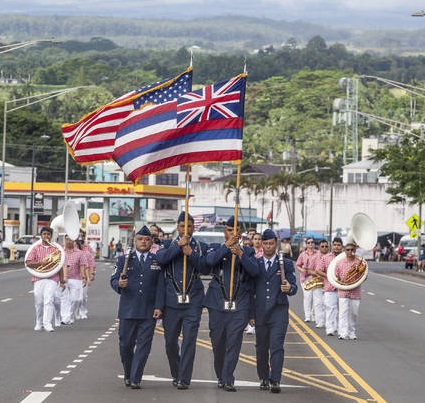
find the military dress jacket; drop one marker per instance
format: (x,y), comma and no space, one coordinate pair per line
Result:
(145,290)
(219,259)
(170,257)
(267,287)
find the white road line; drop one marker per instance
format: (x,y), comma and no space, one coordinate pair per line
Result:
(71,366)
(83,356)
(416,312)
(390,301)
(50,385)
(6,300)
(370,293)
(77,361)
(57,378)
(36,397)
(87,351)
(400,279)
(64,372)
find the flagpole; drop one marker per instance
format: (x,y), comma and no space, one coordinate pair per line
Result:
(186,216)
(235,228)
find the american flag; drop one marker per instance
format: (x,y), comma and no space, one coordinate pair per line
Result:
(201,126)
(204,220)
(92,138)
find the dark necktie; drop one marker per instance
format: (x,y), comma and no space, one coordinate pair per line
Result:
(269,264)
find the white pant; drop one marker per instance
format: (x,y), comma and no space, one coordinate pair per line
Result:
(71,299)
(348,315)
(319,313)
(308,303)
(83,311)
(330,301)
(44,296)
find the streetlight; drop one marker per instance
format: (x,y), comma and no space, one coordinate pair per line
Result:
(31,100)
(31,229)
(14,46)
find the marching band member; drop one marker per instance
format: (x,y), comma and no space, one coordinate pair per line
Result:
(271,318)
(330,293)
(141,304)
(348,300)
(306,264)
(44,288)
(89,274)
(75,280)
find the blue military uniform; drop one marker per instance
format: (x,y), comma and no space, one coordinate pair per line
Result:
(271,315)
(182,317)
(227,326)
(143,294)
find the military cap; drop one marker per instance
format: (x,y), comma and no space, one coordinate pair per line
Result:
(269,234)
(231,222)
(181,217)
(144,231)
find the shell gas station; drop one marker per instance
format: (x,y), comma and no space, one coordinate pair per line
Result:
(55,194)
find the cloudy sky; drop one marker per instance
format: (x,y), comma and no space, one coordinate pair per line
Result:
(336,12)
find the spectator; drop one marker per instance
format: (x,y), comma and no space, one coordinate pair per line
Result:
(111,249)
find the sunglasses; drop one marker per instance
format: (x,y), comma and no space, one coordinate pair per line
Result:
(349,249)
(324,246)
(310,242)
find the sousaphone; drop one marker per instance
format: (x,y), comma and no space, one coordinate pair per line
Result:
(362,233)
(68,222)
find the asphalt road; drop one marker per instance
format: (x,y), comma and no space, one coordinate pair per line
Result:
(81,362)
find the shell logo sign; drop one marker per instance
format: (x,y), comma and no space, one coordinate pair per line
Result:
(94,225)
(94,218)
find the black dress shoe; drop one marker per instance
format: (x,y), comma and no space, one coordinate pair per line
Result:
(220,384)
(265,384)
(175,382)
(275,387)
(229,388)
(135,385)
(127,382)
(182,385)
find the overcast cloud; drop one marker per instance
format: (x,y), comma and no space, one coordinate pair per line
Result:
(335,12)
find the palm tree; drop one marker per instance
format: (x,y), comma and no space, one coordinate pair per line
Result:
(283,184)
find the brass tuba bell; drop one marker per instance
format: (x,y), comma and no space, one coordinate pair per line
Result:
(68,222)
(363,233)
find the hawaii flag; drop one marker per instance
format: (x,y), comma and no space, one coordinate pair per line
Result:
(201,126)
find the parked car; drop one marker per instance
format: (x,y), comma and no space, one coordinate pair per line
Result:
(409,244)
(21,246)
(209,237)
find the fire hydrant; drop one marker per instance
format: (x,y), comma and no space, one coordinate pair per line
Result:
(12,254)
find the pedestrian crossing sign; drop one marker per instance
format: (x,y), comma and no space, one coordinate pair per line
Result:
(413,224)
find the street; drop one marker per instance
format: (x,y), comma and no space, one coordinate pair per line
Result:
(81,361)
